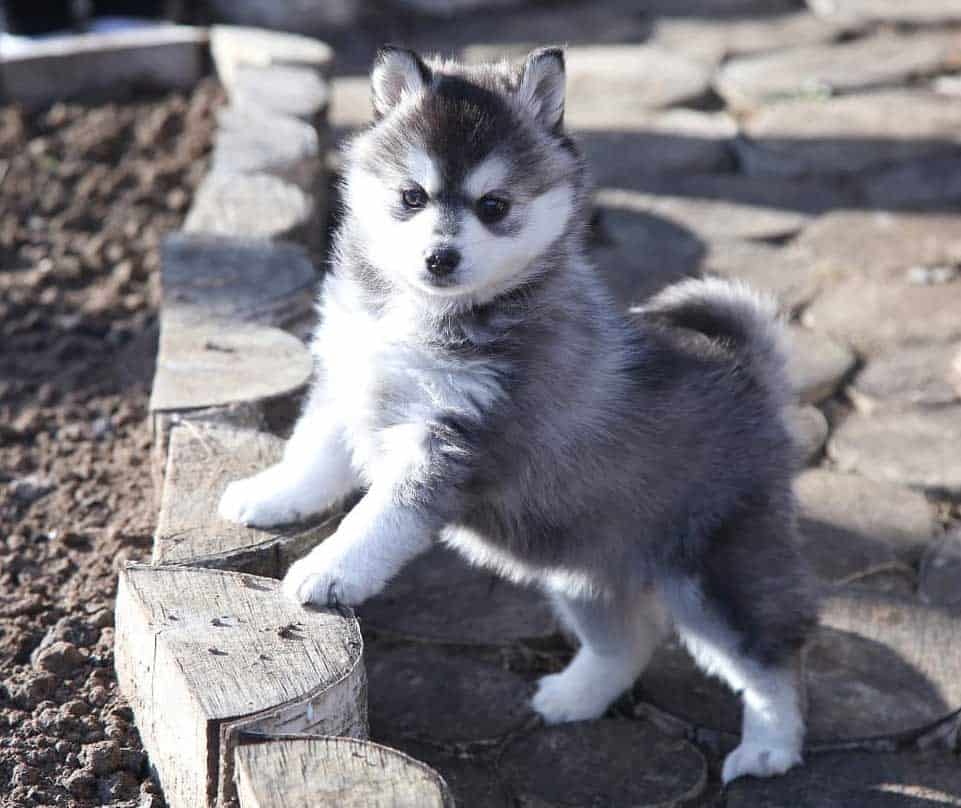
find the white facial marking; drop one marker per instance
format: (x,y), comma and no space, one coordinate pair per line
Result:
(423,170)
(488,176)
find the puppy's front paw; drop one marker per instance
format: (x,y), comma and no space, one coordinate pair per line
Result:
(560,698)
(324,580)
(264,500)
(760,760)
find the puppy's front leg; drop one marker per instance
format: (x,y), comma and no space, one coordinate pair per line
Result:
(315,473)
(370,546)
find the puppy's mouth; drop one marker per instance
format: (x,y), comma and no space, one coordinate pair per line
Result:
(440,283)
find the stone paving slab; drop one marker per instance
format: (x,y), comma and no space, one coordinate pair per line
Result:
(857,780)
(849,134)
(851,525)
(640,254)
(928,375)
(708,219)
(236,279)
(816,364)
(486,609)
(810,429)
(626,144)
(923,184)
(631,77)
(711,41)
(916,447)
(790,275)
(424,693)
(916,11)
(829,69)
(941,572)
(876,668)
(604,762)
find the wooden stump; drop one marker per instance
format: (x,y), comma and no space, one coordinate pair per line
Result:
(307,772)
(202,459)
(204,655)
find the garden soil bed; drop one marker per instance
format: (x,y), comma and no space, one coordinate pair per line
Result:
(86,194)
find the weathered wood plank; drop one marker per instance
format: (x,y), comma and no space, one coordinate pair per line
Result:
(224,362)
(203,654)
(202,459)
(301,773)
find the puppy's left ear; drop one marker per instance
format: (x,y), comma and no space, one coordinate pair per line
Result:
(541,88)
(396,72)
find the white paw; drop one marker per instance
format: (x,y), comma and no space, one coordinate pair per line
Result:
(561,697)
(264,500)
(760,760)
(325,580)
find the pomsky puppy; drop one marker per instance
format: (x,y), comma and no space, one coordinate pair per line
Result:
(475,379)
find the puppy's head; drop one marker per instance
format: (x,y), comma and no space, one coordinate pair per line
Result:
(465,179)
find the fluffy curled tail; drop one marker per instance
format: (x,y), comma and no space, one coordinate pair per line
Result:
(733,313)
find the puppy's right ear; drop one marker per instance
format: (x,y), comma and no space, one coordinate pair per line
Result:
(396,72)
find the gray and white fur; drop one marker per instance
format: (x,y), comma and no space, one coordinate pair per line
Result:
(474,378)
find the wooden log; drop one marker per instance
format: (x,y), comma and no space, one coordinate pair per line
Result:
(307,772)
(203,458)
(204,656)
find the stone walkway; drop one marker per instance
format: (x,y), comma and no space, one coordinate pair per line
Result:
(817,154)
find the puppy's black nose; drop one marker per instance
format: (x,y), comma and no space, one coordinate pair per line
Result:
(443,261)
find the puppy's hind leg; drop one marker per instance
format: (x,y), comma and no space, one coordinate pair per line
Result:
(744,618)
(617,638)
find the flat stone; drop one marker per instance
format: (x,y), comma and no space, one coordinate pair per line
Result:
(104,64)
(789,274)
(922,184)
(941,571)
(310,18)
(298,92)
(850,525)
(642,253)
(849,134)
(810,429)
(713,40)
(917,11)
(928,374)
(625,143)
(816,364)
(215,363)
(202,459)
(857,780)
(350,105)
(487,609)
(631,78)
(605,762)
(916,447)
(232,46)
(252,141)
(254,206)
(472,780)
(271,283)
(708,219)
(876,667)
(829,69)
(424,693)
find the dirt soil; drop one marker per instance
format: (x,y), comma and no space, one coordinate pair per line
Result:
(86,194)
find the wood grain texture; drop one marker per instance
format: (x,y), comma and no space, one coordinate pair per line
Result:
(301,773)
(202,459)
(204,654)
(218,362)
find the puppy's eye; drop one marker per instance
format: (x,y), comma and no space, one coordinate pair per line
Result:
(414,198)
(491,209)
